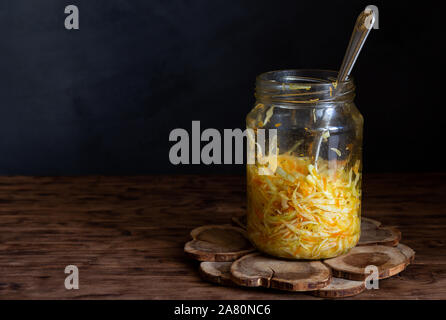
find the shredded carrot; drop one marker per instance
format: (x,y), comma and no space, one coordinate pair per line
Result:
(301,212)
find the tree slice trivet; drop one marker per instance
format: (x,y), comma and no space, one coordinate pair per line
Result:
(256,270)
(339,288)
(367,224)
(407,251)
(385,236)
(389,260)
(240,221)
(218,243)
(217,272)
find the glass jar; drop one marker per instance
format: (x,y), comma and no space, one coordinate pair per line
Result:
(304,197)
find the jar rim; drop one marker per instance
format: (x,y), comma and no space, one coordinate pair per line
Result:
(304,86)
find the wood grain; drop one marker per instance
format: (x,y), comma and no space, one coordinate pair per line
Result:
(217,272)
(257,270)
(126,235)
(385,236)
(409,253)
(218,243)
(369,224)
(352,265)
(340,288)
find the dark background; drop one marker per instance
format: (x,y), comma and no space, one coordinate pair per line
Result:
(103,99)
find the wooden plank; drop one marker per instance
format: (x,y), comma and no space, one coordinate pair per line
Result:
(126,235)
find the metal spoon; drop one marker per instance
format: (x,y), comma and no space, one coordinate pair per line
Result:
(362,28)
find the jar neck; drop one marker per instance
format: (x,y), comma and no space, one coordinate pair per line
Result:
(303,87)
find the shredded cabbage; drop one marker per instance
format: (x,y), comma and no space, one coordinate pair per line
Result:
(301,212)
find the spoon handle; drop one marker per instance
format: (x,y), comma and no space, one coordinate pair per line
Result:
(362,28)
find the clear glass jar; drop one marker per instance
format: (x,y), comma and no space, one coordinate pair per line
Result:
(308,206)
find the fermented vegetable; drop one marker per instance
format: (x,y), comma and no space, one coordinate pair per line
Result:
(302,212)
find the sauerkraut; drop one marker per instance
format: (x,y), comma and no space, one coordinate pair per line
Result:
(302,212)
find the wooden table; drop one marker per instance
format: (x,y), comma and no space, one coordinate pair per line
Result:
(126,235)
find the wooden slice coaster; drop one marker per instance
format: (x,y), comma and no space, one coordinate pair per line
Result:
(367,224)
(257,270)
(240,221)
(217,272)
(389,260)
(385,236)
(339,288)
(218,243)
(407,251)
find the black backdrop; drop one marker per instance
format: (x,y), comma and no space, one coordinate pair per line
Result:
(103,99)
